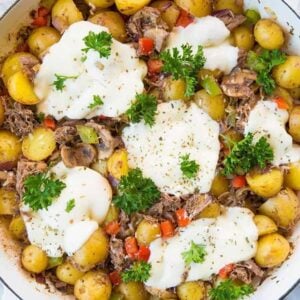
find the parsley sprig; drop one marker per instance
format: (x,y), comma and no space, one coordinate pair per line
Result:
(40,190)
(228,290)
(245,155)
(145,108)
(100,42)
(263,64)
(139,272)
(59,82)
(184,65)
(70,205)
(136,193)
(188,167)
(196,254)
(97,101)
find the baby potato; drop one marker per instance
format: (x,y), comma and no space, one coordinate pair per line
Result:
(17,228)
(34,259)
(93,286)
(235,5)
(292,176)
(212,210)
(8,202)
(265,183)
(174,89)
(243,37)
(147,232)
(67,273)
(133,291)
(10,147)
(117,164)
(2,114)
(272,250)
(41,39)
(284,208)
(64,13)
(268,34)
(294,123)
(100,3)
(113,21)
(219,185)
(93,252)
(191,290)
(265,225)
(112,215)
(39,144)
(295,93)
(287,75)
(130,7)
(213,105)
(199,8)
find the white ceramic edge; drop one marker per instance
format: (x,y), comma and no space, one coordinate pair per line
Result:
(273,288)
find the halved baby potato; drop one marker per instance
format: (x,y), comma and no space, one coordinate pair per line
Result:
(292,176)
(130,7)
(264,224)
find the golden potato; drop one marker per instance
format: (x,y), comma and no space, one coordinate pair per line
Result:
(295,93)
(2,113)
(93,252)
(199,8)
(268,34)
(67,273)
(10,147)
(17,228)
(265,225)
(292,176)
(117,164)
(294,123)
(129,7)
(243,37)
(113,21)
(213,105)
(64,13)
(100,3)
(219,185)
(191,290)
(265,183)
(93,286)
(287,75)
(41,39)
(212,210)
(8,202)
(39,145)
(34,259)
(133,291)
(235,5)
(147,231)
(283,208)
(112,215)
(272,250)
(174,89)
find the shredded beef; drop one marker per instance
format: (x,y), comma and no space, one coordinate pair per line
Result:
(229,18)
(196,203)
(128,224)
(65,134)
(117,253)
(8,180)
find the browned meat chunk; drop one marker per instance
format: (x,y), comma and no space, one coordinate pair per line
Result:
(8,180)
(117,253)
(196,203)
(65,134)
(229,18)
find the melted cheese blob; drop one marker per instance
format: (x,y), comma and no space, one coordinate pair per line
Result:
(57,231)
(211,33)
(267,120)
(178,130)
(229,238)
(116,79)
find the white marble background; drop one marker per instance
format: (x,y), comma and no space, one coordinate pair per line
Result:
(4,293)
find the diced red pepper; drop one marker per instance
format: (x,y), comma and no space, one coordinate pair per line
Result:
(146,46)
(167,228)
(131,246)
(40,21)
(49,123)
(182,217)
(115,277)
(281,103)
(43,12)
(238,181)
(184,19)
(144,253)
(225,271)
(154,66)
(112,228)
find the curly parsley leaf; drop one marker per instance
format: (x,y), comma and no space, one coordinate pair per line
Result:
(97,101)
(70,205)
(139,272)
(245,155)
(100,42)
(227,290)
(196,254)
(40,190)
(184,65)
(136,193)
(59,83)
(188,167)
(263,64)
(144,108)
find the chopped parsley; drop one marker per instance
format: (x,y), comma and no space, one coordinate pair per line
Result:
(196,254)
(144,108)
(188,167)
(228,290)
(245,155)
(40,190)
(263,64)
(70,205)
(136,193)
(59,83)
(139,272)
(97,101)
(184,65)
(100,42)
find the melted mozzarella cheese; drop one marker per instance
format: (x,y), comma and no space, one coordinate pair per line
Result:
(229,238)
(267,120)
(178,130)
(116,79)
(211,33)
(57,231)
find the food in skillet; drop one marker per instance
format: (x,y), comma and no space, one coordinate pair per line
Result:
(148,150)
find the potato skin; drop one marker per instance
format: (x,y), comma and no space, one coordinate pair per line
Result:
(243,37)
(272,250)
(265,184)
(100,3)
(235,5)
(130,7)
(93,286)
(117,164)
(10,147)
(219,185)
(199,8)
(8,202)
(287,75)
(191,290)
(34,259)
(67,273)
(294,123)
(264,224)
(292,176)
(212,210)
(17,228)
(268,34)
(133,291)
(174,89)
(147,232)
